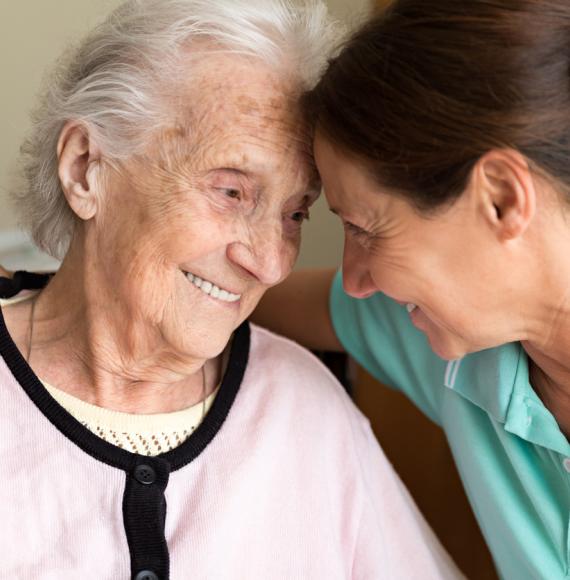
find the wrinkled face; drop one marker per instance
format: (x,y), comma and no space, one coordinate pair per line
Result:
(444,265)
(198,228)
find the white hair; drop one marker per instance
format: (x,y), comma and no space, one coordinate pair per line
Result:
(111,83)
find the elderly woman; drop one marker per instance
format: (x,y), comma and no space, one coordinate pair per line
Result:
(443,143)
(147,431)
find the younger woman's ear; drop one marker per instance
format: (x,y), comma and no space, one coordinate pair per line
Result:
(506,192)
(78,163)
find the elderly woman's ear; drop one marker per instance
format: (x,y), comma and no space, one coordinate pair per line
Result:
(79,157)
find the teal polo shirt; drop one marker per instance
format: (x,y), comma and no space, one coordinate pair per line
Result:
(512,457)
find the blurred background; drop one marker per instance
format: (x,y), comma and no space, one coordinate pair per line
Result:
(32,35)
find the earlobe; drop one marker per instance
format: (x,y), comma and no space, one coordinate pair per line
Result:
(507,192)
(78,163)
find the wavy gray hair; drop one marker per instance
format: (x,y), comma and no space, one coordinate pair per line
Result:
(111,83)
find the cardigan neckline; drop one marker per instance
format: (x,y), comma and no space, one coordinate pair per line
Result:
(107,452)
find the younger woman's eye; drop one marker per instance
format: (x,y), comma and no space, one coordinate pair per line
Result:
(354,230)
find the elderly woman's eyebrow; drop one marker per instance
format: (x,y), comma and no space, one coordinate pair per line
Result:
(311,191)
(247,176)
(243,172)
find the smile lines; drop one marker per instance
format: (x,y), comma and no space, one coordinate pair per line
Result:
(212,290)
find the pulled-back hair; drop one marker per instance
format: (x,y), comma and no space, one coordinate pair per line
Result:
(429,86)
(115,81)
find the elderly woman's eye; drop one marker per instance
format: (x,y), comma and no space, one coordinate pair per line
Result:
(300,216)
(231,193)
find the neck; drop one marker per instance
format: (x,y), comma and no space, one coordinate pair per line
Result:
(88,344)
(550,378)
(548,349)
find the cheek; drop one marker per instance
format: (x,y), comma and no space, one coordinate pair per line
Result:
(454,319)
(421,267)
(289,254)
(186,233)
(397,275)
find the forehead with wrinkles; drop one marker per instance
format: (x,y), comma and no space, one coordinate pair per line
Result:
(239,111)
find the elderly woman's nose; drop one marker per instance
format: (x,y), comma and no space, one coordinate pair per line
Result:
(265,258)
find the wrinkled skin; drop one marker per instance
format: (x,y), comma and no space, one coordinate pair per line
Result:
(221,193)
(488,269)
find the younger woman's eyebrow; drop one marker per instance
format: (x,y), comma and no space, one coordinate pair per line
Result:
(336,212)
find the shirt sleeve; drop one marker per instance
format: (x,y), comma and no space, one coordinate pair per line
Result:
(378,334)
(394,540)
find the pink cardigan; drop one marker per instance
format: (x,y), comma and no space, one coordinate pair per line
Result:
(282,480)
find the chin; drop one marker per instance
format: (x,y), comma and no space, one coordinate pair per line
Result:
(447,349)
(201,337)
(204,348)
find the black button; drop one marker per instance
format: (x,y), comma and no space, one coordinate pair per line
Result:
(146,574)
(146,475)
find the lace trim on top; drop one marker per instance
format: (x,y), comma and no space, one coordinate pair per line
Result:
(148,435)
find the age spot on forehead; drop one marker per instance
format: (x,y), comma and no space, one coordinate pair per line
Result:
(178,131)
(248,105)
(280,105)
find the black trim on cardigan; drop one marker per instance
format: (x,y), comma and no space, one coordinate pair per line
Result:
(22,281)
(107,452)
(144,518)
(144,503)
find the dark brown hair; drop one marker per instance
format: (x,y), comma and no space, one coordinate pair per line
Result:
(422,91)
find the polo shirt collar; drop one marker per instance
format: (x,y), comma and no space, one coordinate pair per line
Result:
(497,381)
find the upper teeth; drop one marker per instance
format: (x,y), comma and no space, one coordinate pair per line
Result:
(212,290)
(410,307)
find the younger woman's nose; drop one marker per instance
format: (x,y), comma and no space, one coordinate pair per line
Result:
(356,277)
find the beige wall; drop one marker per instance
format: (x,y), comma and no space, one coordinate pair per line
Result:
(32,35)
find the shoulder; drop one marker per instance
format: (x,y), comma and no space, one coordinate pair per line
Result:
(296,376)
(284,355)
(269,343)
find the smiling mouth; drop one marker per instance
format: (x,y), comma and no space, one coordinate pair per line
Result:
(210,289)
(410,307)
